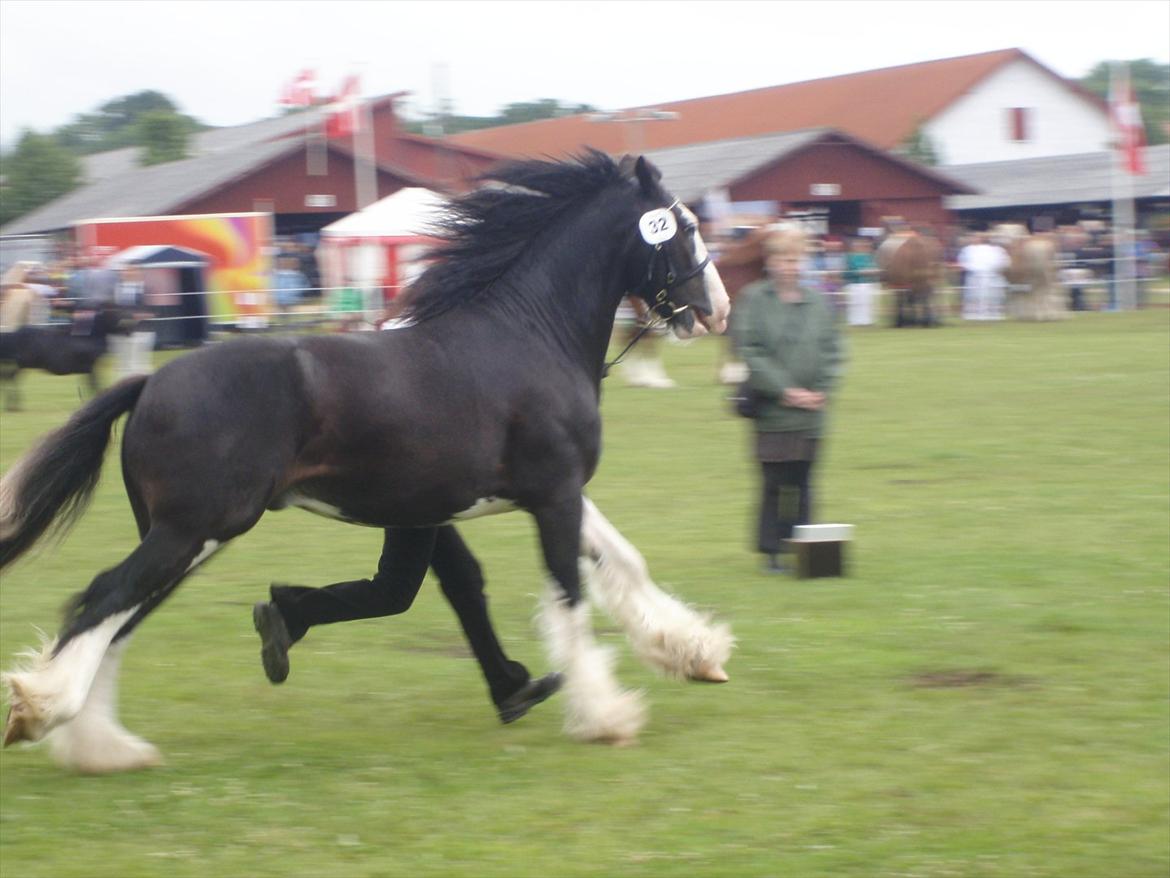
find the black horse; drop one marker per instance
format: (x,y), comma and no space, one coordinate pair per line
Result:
(485,399)
(68,349)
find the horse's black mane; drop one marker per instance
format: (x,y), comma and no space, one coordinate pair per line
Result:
(486,231)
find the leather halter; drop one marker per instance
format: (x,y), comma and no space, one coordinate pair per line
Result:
(664,309)
(662,306)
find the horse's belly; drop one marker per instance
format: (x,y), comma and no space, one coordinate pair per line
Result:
(486,506)
(317,507)
(411,510)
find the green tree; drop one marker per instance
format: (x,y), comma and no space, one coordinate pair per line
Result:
(544,108)
(115,123)
(510,114)
(918,147)
(1151,87)
(35,172)
(163,136)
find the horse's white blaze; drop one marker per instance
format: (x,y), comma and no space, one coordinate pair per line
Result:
(720,302)
(662,630)
(596,707)
(53,689)
(485,506)
(94,742)
(716,292)
(209,548)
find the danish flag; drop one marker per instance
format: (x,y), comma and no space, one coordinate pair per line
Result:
(1126,115)
(300,92)
(344,117)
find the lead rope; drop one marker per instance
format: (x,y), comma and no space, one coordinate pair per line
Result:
(653,323)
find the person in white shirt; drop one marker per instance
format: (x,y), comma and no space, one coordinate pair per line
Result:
(984,289)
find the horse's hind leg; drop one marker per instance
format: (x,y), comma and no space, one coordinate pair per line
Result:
(73,680)
(663,631)
(94,741)
(597,709)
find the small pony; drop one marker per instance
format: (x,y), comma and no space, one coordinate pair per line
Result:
(60,350)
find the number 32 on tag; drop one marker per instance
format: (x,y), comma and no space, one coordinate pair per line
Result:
(658,226)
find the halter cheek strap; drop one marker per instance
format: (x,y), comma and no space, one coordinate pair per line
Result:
(663,307)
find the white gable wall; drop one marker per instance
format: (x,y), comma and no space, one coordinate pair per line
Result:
(977,127)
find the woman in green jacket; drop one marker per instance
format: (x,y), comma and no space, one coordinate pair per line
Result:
(787,334)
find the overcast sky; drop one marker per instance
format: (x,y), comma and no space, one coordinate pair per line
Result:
(225,62)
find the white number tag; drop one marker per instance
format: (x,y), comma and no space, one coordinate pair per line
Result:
(658,226)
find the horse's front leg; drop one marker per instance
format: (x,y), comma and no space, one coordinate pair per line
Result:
(597,709)
(663,631)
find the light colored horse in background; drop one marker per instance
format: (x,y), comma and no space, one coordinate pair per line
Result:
(20,304)
(740,263)
(911,266)
(1036,292)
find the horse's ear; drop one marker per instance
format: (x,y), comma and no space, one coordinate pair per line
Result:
(648,175)
(626,165)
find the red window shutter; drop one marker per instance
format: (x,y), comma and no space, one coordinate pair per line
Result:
(1018,124)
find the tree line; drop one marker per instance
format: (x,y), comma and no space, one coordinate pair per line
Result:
(42,167)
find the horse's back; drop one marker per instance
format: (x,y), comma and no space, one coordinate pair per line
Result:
(327,418)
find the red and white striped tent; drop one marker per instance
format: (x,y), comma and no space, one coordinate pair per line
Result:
(379,250)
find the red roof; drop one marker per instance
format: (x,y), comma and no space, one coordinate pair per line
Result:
(882,107)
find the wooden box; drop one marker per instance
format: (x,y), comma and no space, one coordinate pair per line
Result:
(819,550)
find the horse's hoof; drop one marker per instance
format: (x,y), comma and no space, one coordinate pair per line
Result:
(535,691)
(17,728)
(710,674)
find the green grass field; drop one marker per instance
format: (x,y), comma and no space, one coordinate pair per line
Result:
(985,695)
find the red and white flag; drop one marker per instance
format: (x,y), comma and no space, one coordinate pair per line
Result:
(1126,115)
(301,91)
(344,110)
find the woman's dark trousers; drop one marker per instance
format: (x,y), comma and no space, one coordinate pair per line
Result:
(786,502)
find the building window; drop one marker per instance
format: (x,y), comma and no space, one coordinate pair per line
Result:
(1020,124)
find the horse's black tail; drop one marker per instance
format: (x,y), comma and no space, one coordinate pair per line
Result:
(51,484)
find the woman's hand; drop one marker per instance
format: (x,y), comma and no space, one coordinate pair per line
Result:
(800,398)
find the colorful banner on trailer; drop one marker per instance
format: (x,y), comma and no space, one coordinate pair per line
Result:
(238,246)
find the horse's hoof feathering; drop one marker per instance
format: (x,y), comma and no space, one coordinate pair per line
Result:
(710,674)
(22,724)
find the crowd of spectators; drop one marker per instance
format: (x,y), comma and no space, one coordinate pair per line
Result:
(974,274)
(842,267)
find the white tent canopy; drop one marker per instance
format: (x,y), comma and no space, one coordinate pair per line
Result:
(378,251)
(407,213)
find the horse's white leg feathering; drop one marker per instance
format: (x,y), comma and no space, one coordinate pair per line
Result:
(597,708)
(94,742)
(51,690)
(663,631)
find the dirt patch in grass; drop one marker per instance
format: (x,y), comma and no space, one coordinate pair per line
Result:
(964,677)
(452,649)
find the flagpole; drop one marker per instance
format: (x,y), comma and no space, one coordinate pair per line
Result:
(367,178)
(1123,296)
